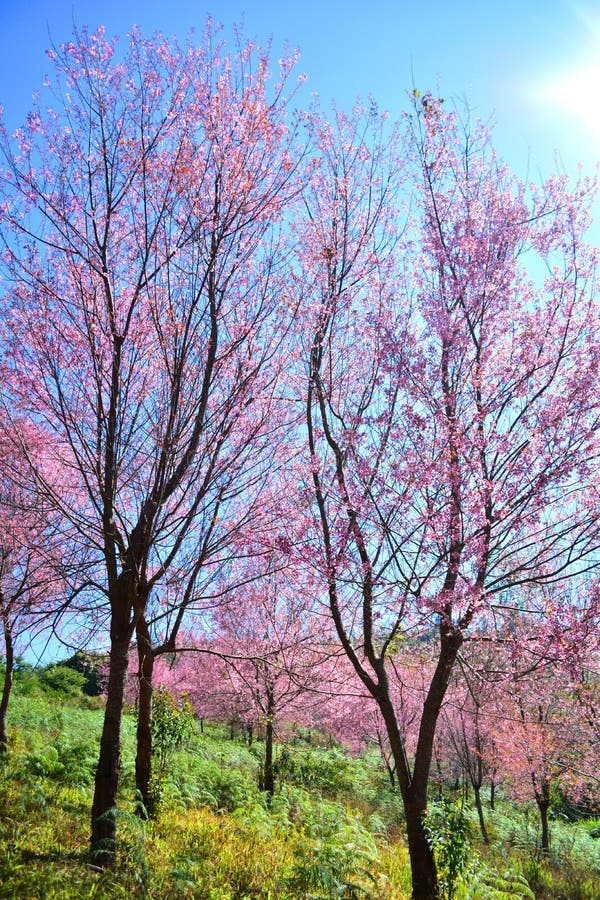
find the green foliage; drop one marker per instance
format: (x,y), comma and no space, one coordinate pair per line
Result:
(131,859)
(91,666)
(334,856)
(62,762)
(335,774)
(592,827)
(26,680)
(325,836)
(172,722)
(329,772)
(206,782)
(449,835)
(490,884)
(566,880)
(62,680)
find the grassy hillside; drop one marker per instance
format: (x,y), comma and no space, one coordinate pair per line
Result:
(334,829)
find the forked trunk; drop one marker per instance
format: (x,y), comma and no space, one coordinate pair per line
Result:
(103,838)
(414,797)
(414,785)
(6,689)
(143,757)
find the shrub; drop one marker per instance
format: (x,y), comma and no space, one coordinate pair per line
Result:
(204,782)
(64,763)
(448,833)
(62,680)
(172,722)
(331,772)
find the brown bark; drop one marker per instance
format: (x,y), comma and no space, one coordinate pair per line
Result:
(542,798)
(475,771)
(390,769)
(103,837)
(6,688)
(143,758)
(479,808)
(422,861)
(414,785)
(269,773)
(414,797)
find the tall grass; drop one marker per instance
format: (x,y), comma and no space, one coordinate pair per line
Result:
(332,832)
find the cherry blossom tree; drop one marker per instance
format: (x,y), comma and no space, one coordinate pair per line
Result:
(451,400)
(577,640)
(283,677)
(467,725)
(543,742)
(142,265)
(33,572)
(264,662)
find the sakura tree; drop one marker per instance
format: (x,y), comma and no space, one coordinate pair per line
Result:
(467,725)
(33,573)
(141,260)
(577,651)
(451,400)
(285,675)
(543,744)
(265,661)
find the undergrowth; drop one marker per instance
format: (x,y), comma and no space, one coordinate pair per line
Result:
(332,832)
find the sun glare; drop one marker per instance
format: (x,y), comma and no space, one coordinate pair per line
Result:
(573,95)
(569,93)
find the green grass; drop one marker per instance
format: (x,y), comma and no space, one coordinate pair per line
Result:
(332,832)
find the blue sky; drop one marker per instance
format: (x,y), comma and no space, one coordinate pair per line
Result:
(534,64)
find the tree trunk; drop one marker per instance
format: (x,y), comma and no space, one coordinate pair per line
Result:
(479,808)
(422,861)
(414,797)
(143,757)
(414,786)
(269,777)
(103,838)
(390,769)
(492,794)
(6,688)
(542,798)
(476,782)
(391,775)
(545,845)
